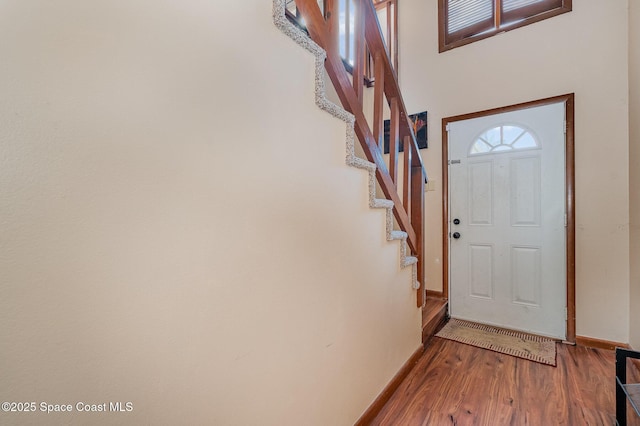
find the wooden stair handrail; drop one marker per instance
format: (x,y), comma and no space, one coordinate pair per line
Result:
(376,44)
(408,214)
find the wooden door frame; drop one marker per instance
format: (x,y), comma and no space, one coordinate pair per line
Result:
(569,102)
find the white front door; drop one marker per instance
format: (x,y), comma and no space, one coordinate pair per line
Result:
(507,220)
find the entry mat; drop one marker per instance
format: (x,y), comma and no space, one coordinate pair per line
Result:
(522,345)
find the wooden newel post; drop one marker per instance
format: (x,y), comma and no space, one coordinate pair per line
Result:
(417,221)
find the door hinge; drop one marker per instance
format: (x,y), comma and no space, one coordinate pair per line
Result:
(448,127)
(564,126)
(566,220)
(566,314)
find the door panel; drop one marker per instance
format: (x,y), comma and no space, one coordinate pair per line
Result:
(481,270)
(481,193)
(525,191)
(525,275)
(507,189)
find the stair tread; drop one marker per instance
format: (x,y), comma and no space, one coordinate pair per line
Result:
(410,260)
(431,308)
(398,235)
(382,203)
(434,314)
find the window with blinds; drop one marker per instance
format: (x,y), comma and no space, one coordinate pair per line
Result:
(465,21)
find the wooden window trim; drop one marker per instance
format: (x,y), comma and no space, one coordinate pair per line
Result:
(469,31)
(480,31)
(532,10)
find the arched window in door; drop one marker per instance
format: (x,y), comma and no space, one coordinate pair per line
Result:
(508,137)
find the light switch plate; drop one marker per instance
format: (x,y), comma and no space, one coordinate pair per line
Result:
(430,186)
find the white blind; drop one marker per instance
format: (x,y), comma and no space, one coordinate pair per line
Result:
(508,5)
(465,13)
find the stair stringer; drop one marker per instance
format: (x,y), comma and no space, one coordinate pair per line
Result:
(302,39)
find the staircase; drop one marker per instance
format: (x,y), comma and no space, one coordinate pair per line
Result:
(404,213)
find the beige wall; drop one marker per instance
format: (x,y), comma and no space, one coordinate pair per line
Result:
(178,227)
(634,170)
(585,52)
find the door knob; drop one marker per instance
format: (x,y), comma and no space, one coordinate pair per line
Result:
(456,221)
(456,235)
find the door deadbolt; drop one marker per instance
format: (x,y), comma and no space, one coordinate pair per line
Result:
(456,221)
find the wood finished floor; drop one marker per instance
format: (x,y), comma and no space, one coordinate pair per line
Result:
(458,384)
